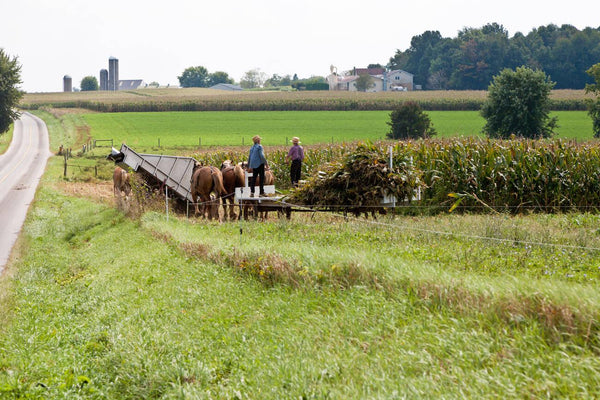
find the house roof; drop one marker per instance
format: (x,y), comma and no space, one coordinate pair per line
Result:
(130,84)
(369,71)
(226,86)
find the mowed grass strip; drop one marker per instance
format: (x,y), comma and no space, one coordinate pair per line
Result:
(223,128)
(102,309)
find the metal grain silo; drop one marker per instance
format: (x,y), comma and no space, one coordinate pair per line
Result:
(113,73)
(103,79)
(67,84)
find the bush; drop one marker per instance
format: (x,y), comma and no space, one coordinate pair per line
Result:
(410,122)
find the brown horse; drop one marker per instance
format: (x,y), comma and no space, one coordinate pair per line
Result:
(206,180)
(121,182)
(233,176)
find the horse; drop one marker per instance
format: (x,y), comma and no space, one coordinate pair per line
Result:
(206,180)
(121,182)
(233,176)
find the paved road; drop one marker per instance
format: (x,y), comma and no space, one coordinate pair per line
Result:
(21,168)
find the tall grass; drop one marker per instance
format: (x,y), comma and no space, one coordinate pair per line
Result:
(5,139)
(105,307)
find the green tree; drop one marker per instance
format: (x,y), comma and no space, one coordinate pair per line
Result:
(273,81)
(518,104)
(364,82)
(217,77)
(410,122)
(89,83)
(594,105)
(253,79)
(10,95)
(194,77)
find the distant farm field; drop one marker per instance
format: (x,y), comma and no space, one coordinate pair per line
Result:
(197,99)
(217,128)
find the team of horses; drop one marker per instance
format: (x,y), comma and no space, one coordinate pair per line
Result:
(209,186)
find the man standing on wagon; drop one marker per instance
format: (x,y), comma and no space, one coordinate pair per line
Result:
(296,154)
(257,164)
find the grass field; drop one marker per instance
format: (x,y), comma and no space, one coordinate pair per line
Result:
(99,305)
(185,129)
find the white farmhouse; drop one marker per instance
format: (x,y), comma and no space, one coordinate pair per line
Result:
(382,79)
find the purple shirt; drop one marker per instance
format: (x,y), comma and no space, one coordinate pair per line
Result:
(296,152)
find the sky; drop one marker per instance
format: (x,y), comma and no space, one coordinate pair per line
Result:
(156,40)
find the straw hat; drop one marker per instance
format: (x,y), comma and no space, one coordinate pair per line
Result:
(295,140)
(256,139)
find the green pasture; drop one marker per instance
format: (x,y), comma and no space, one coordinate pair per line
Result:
(185,129)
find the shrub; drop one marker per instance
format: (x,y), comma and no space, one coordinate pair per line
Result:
(519,104)
(410,122)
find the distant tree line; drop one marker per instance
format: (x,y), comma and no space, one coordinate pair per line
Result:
(476,55)
(200,77)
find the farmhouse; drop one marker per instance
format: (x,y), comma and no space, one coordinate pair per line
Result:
(382,80)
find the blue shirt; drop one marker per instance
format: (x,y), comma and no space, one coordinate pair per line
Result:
(257,156)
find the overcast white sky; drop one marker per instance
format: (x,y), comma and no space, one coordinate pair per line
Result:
(157,40)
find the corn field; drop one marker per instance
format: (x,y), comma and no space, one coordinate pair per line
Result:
(194,99)
(466,174)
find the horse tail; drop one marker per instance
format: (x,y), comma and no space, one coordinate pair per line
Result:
(238,172)
(217,183)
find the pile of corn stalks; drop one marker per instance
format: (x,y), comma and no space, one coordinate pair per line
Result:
(358,182)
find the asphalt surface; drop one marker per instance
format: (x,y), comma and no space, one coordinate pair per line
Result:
(21,168)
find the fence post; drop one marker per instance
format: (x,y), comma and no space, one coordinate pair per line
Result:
(65,170)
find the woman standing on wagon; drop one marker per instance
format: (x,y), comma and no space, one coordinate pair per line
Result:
(257,164)
(296,154)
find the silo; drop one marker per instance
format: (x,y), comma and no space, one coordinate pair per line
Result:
(67,84)
(103,79)
(113,74)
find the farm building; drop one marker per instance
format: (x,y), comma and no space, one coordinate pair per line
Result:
(382,80)
(131,84)
(226,86)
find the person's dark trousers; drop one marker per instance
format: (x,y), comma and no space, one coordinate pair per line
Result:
(258,172)
(295,170)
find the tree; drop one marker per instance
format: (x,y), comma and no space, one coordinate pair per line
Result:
(518,104)
(594,105)
(194,77)
(364,82)
(273,81)
(253,79)
(89,83)
(218,77)
(410,122)
(10,95)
